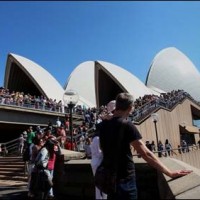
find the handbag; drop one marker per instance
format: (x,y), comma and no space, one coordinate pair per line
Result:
(40,180)
(44,182)
(105,179)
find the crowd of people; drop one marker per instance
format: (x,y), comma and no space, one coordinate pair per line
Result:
(34,139)
(166,149)
(142,104)
(39,150)
(19,98)
(45,143)
(147,103)
(91,116)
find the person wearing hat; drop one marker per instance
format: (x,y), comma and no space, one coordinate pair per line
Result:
(96,152)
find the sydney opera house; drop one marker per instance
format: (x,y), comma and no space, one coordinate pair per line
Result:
(98,82)
(170,70)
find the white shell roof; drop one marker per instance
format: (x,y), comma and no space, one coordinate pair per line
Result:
(82,79)
(172,70)
(130,82)
(39,75)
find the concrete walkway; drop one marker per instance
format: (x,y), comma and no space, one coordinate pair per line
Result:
(13,192)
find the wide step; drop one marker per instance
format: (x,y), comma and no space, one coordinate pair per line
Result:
(12,171)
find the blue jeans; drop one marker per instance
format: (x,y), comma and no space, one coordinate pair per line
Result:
(50,175)
(126,190)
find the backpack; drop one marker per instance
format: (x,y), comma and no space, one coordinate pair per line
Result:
(26,154)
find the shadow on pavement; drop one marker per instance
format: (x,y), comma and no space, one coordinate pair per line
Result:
(13,193)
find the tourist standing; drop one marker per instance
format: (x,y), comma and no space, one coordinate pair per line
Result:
(46,160)
(96,152)
(123,133)
(34,149)
(168,147)
(21,144)
(30,135)
(96,159)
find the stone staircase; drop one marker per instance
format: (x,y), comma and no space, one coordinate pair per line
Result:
(12,171)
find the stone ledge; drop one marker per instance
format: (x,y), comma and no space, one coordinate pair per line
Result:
(70,155)
(186,187)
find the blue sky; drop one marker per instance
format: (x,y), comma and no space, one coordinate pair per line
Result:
(59,35)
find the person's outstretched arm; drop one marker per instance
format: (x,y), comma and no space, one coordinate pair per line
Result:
(152,160)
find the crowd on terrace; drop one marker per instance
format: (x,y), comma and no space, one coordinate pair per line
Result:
(142,104)
(147,103)
(91,116)
(19,98)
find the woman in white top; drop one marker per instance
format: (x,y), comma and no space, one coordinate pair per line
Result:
(96,152)
(95,162)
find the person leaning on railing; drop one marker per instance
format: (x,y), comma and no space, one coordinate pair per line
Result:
(123,133)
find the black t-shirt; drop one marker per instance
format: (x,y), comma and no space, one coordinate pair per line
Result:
(115,144)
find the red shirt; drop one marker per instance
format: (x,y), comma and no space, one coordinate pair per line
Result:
(51,162)
(69,146)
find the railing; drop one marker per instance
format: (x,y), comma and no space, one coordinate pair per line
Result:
(35,106)
(191,157)
(52,109)
(141,113)
(10,147)
(137,116)
(189,154)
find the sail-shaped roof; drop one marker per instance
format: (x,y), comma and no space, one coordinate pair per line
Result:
(172,70)
(100,81)
(25,75)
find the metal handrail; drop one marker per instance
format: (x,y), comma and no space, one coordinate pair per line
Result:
(14,140)
(11,146)
(154,105)
(42,109)
(179,150)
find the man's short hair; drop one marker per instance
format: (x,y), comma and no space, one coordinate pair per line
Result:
(124,100)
